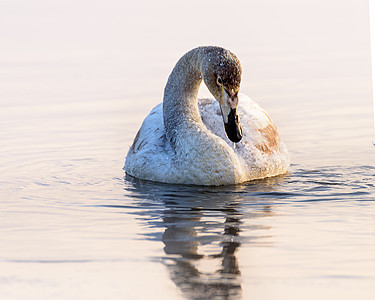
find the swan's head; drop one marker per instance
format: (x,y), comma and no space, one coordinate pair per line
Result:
(222,74)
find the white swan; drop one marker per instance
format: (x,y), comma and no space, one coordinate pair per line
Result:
(185,143)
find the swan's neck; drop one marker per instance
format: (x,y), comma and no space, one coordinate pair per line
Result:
(180,109)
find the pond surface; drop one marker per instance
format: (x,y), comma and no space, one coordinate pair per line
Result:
(76,81)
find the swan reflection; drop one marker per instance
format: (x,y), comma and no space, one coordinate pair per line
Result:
(195,270)
(202,229)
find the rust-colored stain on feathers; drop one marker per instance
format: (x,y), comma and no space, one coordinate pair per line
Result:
(271,138)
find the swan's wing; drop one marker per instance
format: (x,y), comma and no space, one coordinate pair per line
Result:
(150,152)
(261,147)
(258,129)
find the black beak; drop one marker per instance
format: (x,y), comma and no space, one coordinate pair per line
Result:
(233,128)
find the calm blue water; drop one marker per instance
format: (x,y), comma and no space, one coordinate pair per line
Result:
(72,97)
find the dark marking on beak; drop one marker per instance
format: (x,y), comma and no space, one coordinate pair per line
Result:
(233,128)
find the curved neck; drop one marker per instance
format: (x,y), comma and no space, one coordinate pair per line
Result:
(180,108)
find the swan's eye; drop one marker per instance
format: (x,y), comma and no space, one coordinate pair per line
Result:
(219,81)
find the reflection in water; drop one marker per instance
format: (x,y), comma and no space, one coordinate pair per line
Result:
(184,233)
(202,232)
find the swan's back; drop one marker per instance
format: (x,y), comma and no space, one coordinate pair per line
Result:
(261,150)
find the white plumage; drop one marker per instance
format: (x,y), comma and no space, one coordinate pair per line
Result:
(259,154)
(196,150)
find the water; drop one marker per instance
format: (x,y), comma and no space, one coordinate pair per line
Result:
(76,81)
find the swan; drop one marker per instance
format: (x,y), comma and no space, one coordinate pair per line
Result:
(183,140)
